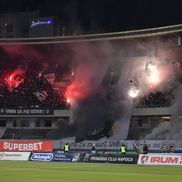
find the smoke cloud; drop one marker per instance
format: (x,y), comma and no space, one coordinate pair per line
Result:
(102,106)
(100,81)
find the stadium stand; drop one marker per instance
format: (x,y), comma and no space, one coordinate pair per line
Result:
(29,89)
(157,99)
(26,134)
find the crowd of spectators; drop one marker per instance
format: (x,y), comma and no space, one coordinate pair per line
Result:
(33,92)
(157,99)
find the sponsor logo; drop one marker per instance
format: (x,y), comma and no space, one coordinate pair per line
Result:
(75,157)
(117,159)
(144,159)
(22,146)
(42,157)
(26,146)
(63,157)
(165,160)
(98,158)
(120,159)
(38,23)
(2,154)
(158,159)
(14,155)
(125,159)
(60,155)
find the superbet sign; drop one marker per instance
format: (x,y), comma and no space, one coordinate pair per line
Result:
(159,159)
(26,146)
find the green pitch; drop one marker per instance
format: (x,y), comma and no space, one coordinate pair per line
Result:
(12,171)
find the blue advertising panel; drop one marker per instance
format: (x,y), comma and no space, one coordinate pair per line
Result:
(66,157)
(63,157)
(41,157)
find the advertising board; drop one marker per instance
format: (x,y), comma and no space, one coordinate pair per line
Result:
(159,159)
(56,157)
(26,146)
(41,157)
(20,156)
(123,159)
(66,157)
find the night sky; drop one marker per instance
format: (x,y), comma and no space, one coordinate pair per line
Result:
(94,16)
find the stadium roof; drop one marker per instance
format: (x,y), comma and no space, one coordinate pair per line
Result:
(144,33)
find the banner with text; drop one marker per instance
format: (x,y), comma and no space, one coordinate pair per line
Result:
(66,157)
(24,111)
(116,144)
(41,157)
(122,159)
(20,156)
(26,146)
(159,159)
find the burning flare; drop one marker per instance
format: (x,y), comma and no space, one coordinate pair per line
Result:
(133,93)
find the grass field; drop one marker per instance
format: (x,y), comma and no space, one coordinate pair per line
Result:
(13,171)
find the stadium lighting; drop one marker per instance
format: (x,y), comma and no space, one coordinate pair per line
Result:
(68,100)
(133,93)
(152,71)
(154,76)
(10,78)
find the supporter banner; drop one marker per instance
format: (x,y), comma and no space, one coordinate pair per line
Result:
(105,144)
(159,159)
(66,157)
(21,111)
(42,157)
(125,159)
(20,156)
(26,146)
(115,144)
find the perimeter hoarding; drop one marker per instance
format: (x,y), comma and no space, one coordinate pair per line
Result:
(42,157)
(159,159)
(26,146)
(20,156)
(55,157)
(122,159)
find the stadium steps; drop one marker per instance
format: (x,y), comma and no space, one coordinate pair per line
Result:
(26,134)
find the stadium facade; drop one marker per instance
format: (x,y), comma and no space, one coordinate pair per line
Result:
(121,85)
(29,24)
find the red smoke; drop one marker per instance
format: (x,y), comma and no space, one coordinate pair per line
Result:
(79,89)
(75,91)
(27,51)
(83,83)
